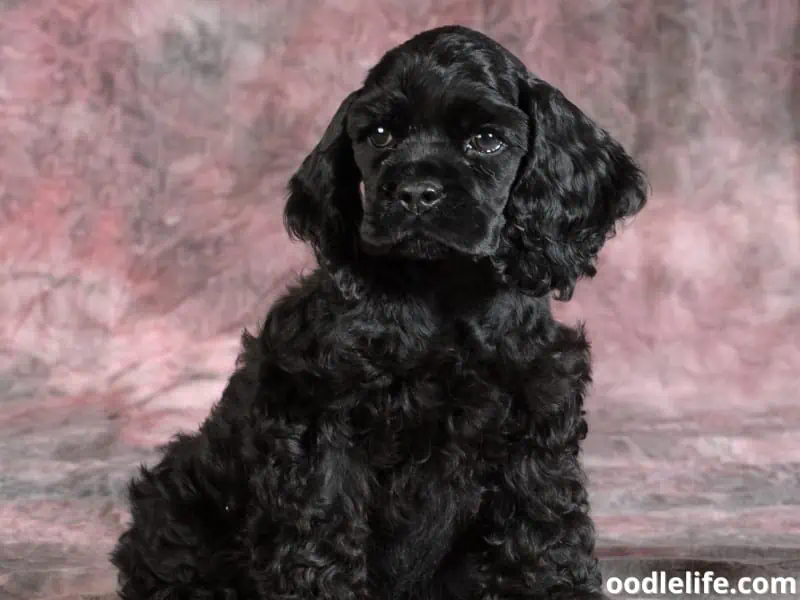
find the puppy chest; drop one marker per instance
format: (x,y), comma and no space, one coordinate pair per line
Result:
(445,414)
(417,518)
(423,447)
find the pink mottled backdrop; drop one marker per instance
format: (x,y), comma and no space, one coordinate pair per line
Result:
(144,146)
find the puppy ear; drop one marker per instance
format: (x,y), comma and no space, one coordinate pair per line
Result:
(323,206)
(574,185)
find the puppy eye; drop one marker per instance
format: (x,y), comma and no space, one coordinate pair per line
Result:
(485,142)
(380,137)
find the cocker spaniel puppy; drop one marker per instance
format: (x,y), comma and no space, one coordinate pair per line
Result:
(407,423)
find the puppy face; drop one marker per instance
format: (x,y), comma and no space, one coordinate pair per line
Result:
(453,148)
(438,142)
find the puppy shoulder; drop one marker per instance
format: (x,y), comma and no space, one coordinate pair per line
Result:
(305,307)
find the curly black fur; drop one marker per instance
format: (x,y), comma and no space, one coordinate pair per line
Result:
(407,423)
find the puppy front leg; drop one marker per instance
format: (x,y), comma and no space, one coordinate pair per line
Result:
(311,535)
(541,539)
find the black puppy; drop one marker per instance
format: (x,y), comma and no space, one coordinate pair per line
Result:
(407,423)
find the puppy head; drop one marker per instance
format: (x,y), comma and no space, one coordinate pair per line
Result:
(452,148)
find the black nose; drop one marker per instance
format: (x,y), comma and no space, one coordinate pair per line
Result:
(419,196)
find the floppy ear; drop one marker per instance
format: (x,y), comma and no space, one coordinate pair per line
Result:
(574,185)
(323,206)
